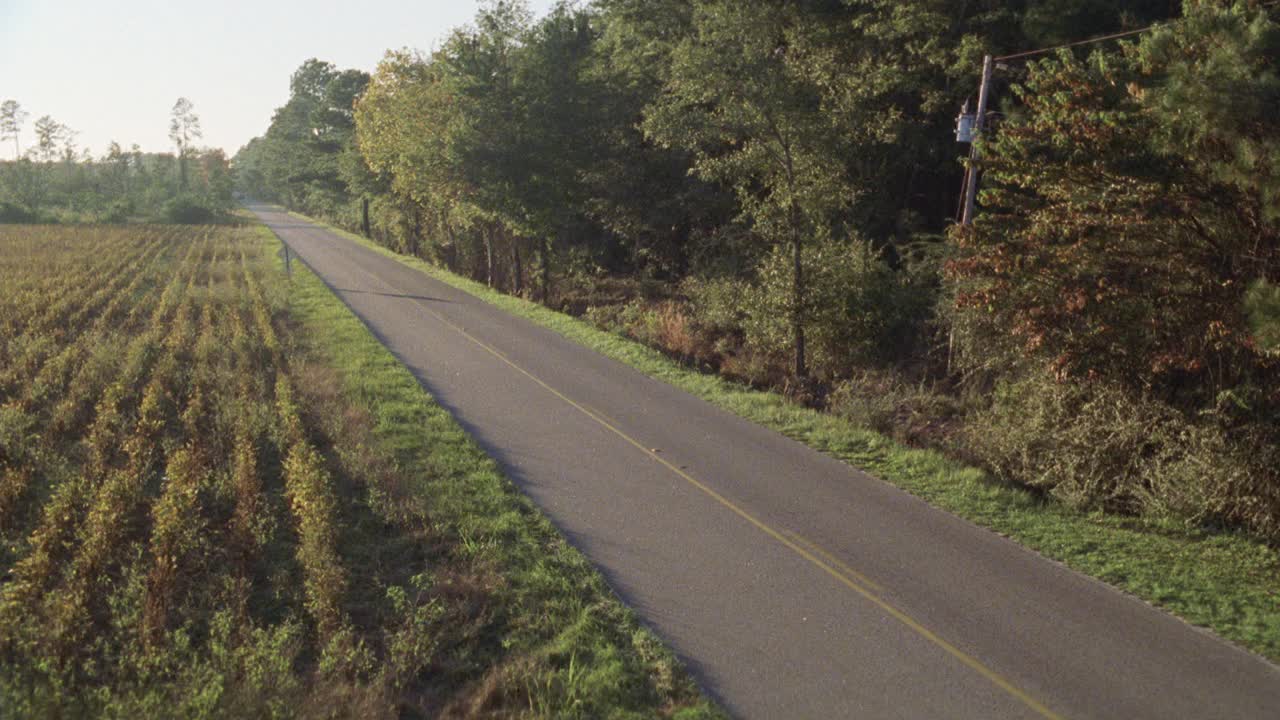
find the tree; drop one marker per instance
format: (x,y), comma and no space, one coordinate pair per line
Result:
(1128,214)
(1054,22)
(116,168)
(298,160)
(184,129)
(643,195)
(25,183)
(49,135)
(12,118)
(405,128)
(734,100)
(215,179)
(250,173)
(489,141)
(1215,93)
(561,134)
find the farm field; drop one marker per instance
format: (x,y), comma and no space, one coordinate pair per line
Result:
(220,496)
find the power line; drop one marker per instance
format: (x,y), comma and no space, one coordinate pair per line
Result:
(1104,38)
(969,200)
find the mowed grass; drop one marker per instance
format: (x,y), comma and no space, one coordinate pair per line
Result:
(1224,581)
(221,497)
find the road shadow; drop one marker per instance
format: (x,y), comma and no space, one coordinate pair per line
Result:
(427,298)
(291,226)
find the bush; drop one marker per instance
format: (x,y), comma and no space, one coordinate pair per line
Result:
(881,400)
(1097,446)
(667,325)
(859,311)
(1263,305)
(10,213)
(117,211)
(187,210)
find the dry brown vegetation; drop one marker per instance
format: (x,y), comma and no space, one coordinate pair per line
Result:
(198,521)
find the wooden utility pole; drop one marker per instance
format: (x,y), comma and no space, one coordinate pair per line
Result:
(984,95)
(979,124)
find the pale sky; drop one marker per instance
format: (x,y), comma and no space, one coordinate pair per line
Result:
(112,69)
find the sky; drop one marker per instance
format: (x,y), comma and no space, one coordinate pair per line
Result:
(112,69)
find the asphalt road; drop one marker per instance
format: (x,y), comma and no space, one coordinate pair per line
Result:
(793,585)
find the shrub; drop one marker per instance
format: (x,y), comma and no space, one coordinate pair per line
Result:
(117,211)
(187,210)
(859,311)
(1263,306)
(1097,445)
(915,414)
(10,213)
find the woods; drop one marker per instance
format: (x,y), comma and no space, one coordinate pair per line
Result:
(770,190)
(57,181)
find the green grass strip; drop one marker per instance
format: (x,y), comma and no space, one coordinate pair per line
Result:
(567,641)
(1227,582)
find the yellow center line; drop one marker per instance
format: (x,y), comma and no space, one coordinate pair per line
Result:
(804,548)
(832,560)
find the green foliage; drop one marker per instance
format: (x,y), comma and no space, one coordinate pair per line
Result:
(121,186)
(1054,22)
(11,213)
(660,215)
(1127,239)
(860,311)
(187,210)
(1107,252)
(299,161)
(913,414)
(1212,84)
(733,100)
(1263,305)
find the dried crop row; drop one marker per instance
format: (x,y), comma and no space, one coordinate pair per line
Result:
(308,486)
(33,293)
(310,493)
(69,377)
(180,485)
(51,322)
(114,458)
(219,523)
(79,580)
(70,403)
(191,541)
(83,291)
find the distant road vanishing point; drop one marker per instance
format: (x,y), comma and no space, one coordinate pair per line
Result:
(793,585)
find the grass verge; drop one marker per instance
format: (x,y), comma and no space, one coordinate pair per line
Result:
(559,643)
(1227,582)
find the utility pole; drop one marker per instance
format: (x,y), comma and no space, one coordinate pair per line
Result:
(979,124)
(971,133)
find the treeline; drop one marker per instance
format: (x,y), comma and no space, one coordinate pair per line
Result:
(53,180)
(770,189)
